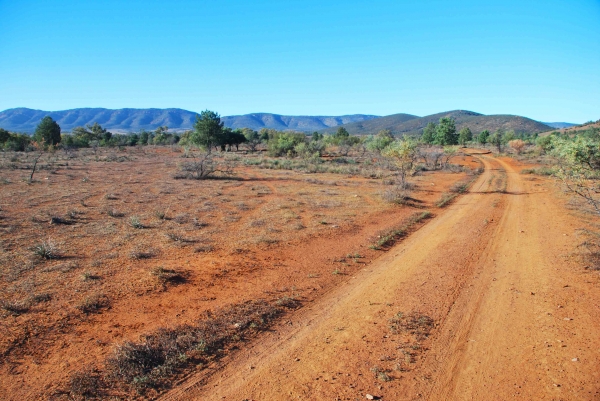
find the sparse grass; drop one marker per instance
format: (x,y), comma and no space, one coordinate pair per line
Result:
(153,361)
(445,199)
(381,374)
(414,323)
(547,171)
(388,238)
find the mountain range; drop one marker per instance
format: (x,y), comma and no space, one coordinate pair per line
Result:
(131,120)
(25,120)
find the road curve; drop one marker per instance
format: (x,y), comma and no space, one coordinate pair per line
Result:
(515,316)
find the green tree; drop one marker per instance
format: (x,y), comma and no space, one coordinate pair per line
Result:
(208,130)
(4,135)
(579,166)
(497,139)
(341,134)
(252,139)
(429,133)
(483,137)
(316,136)
(465,135)
(446,132)
(144,137)
(47,132)
(509,136)
(404,153)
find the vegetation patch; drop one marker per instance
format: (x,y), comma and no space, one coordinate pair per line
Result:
(389,238)
(147,366)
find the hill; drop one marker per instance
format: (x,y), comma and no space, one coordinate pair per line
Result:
(475,121)
(25,120)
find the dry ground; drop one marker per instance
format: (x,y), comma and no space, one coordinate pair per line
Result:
(116,219)
(488,301)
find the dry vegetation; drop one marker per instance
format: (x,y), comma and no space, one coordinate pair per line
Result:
(111,264)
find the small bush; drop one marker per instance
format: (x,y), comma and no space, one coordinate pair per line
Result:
(86,383)
(46,250)
(142,254)
(93,304)
(15,308)
(112,212)
(135,222)
(167,275)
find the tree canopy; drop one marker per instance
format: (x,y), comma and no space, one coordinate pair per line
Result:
(47,132)
(446,132)
(208,130)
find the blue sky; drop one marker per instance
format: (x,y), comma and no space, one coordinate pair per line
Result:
(535,58)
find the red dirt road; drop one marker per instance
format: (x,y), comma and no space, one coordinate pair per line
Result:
(515,314)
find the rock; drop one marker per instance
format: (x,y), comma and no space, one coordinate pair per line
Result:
(369,397)
(575,360)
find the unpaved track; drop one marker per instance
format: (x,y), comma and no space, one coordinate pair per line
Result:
(497,274)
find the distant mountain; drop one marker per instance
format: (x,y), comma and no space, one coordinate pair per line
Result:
(25,120)
(475,121)
(257,121)
(561,125)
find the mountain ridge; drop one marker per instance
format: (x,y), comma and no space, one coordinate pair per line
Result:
(23,119)
(477,122)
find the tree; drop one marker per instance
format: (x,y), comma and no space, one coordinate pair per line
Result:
(404,153)
(483,137)
(208,130)
(446,132)
(429,133)
(47,132)
(509,136)
(316,136)
(341,134)
(98,133)
(252,139)
(497,139)
(579,166)
(385,133)
(4,135)
(465,135)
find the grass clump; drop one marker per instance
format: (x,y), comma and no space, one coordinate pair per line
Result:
(15,308)
(93,304)
(167,275)
(445,199)
(389,238)
(46,250)
(134,222)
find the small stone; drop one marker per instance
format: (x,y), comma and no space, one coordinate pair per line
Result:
(369,397)
(575,360)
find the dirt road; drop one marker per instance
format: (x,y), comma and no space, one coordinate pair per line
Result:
(514,314)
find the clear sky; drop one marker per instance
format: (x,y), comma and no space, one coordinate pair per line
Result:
(537,58)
